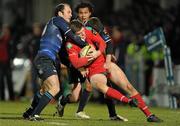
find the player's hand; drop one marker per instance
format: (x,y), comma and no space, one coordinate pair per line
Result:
(107,65)
(94,53)
(84,71)
(90,58)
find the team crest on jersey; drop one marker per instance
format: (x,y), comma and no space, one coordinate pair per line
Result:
(69,45)
(40,71)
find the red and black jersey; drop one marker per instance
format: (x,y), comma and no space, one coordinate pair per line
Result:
(78,62)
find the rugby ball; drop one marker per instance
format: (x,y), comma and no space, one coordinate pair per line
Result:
(85,51)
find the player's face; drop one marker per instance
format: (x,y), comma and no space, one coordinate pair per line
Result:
(67,13)
(81,34)
(84,14)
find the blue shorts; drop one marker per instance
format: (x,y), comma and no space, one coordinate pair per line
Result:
(46,67)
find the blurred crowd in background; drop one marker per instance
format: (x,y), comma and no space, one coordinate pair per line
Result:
(127,24)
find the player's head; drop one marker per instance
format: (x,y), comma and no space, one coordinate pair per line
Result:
(96,24)
(78,28)
(63,10)
(6,29)
(84,11)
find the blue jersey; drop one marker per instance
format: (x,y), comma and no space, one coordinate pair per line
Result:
(54,35)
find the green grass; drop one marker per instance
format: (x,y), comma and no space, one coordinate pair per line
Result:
(11,115)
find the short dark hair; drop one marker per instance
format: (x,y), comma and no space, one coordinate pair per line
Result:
(96,24)
(76,25)
(59,7)
(84,5)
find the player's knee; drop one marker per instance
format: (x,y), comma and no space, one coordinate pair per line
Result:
(74,98)
(42,91)
(102,88)
(89,87)
(131,89)
(55,88)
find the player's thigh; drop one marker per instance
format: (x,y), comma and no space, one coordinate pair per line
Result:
(47,71)
(75,92)
(99,81)
(52,81)
(120,79)
(117,75)
(88,85)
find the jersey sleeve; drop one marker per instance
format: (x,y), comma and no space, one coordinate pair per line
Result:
(74,58)
(64,27)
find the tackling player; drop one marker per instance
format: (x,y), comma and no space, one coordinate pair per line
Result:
(47,61)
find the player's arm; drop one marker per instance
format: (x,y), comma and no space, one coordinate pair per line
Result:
(62,25)
(96,24)
(96,39)
(109,47)
(74,58)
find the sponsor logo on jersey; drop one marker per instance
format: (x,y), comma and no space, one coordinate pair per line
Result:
(69,46)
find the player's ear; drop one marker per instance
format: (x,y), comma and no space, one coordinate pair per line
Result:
(60,14)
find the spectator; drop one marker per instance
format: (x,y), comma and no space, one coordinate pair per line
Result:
(120,46)
(5,63)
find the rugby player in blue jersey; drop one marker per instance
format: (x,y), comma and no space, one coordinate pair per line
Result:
(47,60)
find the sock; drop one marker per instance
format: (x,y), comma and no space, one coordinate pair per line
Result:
(57,96)
(34,103)
(45,99)
(65,100)
(116,95)
(142,105)
(36,99)
(111,107)
(83,100)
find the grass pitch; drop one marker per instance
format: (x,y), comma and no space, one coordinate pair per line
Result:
(11,115)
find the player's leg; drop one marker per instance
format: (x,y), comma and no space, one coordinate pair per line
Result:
(119,78)
(84,97)
(76,90)
(111,108)
(53,84)
(73,95)
(63,95)
(99,81)
(35,100)
(48,73)
(2,83)
(66,87)
(34,103)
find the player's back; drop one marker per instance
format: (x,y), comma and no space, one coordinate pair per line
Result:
(51,40)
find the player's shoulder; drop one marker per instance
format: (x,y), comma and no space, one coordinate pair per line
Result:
(57,18)
(89,31)
(70,45)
